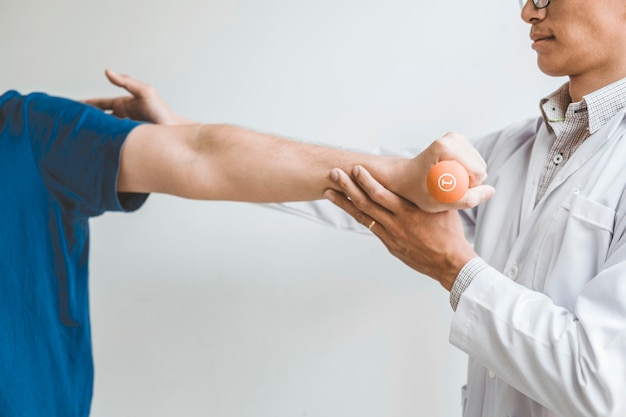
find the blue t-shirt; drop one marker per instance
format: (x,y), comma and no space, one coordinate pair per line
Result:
(59,162)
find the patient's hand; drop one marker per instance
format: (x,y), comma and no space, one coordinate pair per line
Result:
(408,178)
(144,104)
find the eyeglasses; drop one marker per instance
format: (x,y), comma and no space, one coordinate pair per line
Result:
(539,4)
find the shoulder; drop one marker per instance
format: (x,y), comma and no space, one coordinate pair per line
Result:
(28,113)
(48,110)
(10,103)
(13,100)
(501,144)
(7,96)
(48,118)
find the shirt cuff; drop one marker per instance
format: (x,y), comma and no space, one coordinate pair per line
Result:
(464,279)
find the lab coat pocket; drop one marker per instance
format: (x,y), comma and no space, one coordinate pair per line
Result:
(573,247)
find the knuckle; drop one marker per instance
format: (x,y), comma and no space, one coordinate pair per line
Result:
(343,183)
(361,204)
(438,144)
(467,204)
(398,251)
(150,90)
(445,143)
(377,194)
(450,134)
(361,218)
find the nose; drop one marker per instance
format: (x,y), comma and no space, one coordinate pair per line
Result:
(531,14)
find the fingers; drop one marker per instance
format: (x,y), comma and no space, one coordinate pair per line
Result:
(344,203)
(355,201)
(454,146)
(116,79)
(136,88)
(474,197)
(101,103)
(341,201)
(376,191)
(359,199)
(133,86)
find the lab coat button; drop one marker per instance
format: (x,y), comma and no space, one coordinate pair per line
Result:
(492,375)
(513,270)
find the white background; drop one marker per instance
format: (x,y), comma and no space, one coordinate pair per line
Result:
(236,310)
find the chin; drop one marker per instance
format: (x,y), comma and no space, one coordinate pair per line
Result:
(550,68)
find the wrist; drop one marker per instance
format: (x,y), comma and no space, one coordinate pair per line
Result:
(465,278)
(400,177)
(456,265)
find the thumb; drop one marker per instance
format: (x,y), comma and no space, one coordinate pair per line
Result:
(476,196)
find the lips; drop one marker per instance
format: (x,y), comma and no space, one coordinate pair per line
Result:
(540,38)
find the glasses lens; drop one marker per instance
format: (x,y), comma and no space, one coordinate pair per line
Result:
(539,4)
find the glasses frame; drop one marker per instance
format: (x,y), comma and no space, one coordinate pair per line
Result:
(539,4)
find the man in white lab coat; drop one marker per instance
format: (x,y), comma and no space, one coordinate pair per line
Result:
(540,298)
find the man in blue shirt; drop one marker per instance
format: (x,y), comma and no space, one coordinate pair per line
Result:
(63,162)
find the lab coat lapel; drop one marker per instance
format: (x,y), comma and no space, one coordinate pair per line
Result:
(538,156)
(610,132)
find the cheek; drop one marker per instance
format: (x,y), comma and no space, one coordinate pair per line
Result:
(573,51)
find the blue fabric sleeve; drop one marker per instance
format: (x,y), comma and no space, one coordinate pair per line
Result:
(77,151)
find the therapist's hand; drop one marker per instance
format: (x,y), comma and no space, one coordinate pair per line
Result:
(431,243)
(410,181)
(143,104)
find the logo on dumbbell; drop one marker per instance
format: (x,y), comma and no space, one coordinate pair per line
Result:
(446,182)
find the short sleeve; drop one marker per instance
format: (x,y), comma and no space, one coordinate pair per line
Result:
(77,149)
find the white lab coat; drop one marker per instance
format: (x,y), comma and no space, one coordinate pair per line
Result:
(545,326)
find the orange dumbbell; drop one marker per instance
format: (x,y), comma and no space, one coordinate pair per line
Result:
(447,181)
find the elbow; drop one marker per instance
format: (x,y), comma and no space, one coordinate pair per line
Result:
(196,168)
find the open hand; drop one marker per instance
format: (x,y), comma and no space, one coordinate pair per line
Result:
(143,104)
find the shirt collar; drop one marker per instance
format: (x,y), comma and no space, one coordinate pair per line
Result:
(601,105)
(554,107)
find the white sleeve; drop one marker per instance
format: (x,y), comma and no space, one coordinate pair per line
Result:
(573,363)
(322,211)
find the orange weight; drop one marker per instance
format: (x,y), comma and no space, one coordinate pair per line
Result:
(447,181)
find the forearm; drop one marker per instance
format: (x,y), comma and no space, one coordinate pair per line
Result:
(265,168)
(224,162)
(570,362)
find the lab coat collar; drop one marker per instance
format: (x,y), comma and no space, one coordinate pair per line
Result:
(612,131)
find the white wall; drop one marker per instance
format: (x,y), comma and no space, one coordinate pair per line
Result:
(224,309)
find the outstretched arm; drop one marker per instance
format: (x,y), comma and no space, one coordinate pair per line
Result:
(224,162)
(233,163)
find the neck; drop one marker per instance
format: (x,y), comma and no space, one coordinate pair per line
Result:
(581,85)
